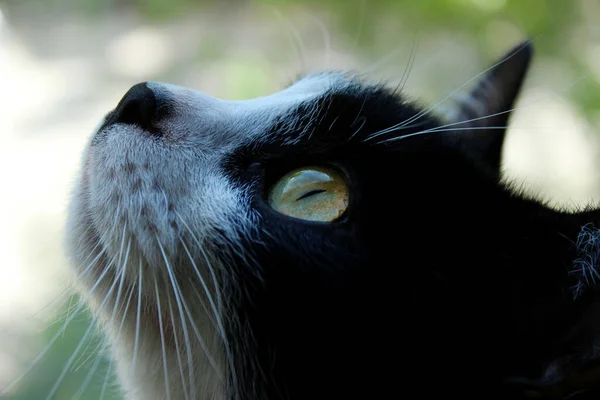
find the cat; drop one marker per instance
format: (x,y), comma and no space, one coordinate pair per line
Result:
(334,240)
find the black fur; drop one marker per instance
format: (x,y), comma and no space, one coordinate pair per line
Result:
(438,282)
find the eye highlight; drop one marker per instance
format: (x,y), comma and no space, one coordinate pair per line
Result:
(310,193)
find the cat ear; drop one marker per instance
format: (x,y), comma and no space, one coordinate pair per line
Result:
(487,107)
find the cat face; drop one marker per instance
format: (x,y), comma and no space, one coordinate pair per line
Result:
(332,240)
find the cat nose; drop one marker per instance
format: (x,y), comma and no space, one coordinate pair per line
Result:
(138,107)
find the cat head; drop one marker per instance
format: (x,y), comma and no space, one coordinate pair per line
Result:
(331,240)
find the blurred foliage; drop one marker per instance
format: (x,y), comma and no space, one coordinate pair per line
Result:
(553,24)
(89,374)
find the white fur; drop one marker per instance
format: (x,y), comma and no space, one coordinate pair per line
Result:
(134,201)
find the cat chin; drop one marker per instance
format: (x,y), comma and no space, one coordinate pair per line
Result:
(134,323)
(110,266)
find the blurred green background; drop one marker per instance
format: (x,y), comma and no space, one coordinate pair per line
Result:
(64,63)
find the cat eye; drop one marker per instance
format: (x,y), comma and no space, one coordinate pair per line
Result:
(311,193)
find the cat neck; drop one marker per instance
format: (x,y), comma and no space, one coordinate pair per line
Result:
(566,250)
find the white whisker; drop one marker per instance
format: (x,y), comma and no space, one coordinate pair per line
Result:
(473,128)
(326,39)
(428,110)
(217,308)
(58,334)
(359,30)
(441,127)
(162,342)
(409,66)
(91,373)
(296,40)
(137,321)
(81,342)
(184,386)
(181,302)
(177,293)
(117,306)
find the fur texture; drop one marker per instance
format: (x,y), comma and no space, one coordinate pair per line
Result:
(438,279)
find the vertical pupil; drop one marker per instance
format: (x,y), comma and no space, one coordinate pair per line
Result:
(311,193)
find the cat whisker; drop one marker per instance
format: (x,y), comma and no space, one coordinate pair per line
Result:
(442,128)
(82,341)
(384,60)
(91,372)
(99,357)
(473,128)
(69,289)
(211,312)
(428,61)
(359,30)
(326,40)
(137,321)
(182,302)
(408,69)
(529,104)
(219,306)
(179,299)
(428,110)
(117,306)
(296,38)
(216,311)
(162,341)
(201,341)
(174,333)
(358,118)
(83,359)
(57,335)
(363,121)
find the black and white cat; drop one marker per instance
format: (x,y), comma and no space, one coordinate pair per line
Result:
(331,241)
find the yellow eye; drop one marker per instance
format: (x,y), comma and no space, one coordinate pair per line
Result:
(311,193)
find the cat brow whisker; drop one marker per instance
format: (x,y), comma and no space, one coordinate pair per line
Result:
(326,39)
(363,121)
(428,110)
(296,38)
(430,59)
(529,104)
(362,13)
(441,128)
(384,60)
(473,128)
(409,66)
(477,76)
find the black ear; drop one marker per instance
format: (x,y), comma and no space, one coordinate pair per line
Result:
(488,105)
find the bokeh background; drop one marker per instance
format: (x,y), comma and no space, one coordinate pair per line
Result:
(65,63)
